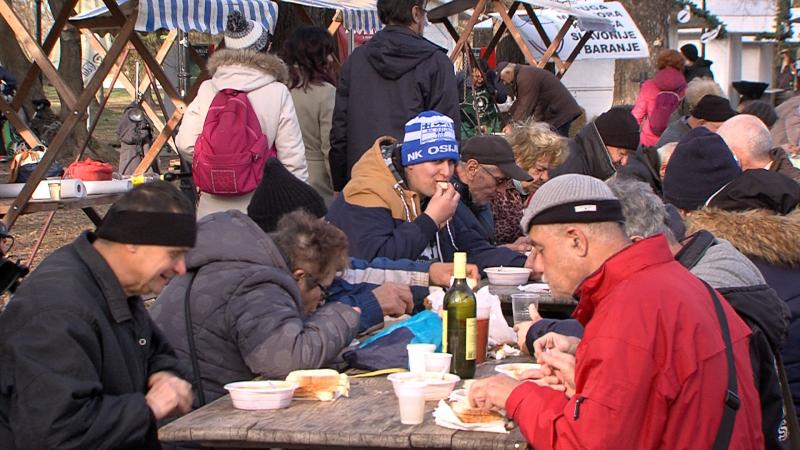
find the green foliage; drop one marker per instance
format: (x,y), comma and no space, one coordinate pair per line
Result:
(712,20)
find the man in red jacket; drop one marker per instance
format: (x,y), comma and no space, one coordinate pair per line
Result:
(651,369)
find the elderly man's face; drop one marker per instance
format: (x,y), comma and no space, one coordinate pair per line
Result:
(556,255)
(153,266)
(507,75)
(619,155)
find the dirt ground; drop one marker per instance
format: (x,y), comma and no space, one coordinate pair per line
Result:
(66,224)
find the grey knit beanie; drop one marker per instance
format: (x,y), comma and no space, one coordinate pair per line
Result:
(244,34)
(572,198)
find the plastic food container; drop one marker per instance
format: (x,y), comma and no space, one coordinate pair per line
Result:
(261,394)
(516,369)
(438,386)
(508,276)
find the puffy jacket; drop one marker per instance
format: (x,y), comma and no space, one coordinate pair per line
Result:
(261,76)
(247,314)
(666,79)
(648,367)
(772,242)
(382,219)
(384,84)
(75,357)
(588,155)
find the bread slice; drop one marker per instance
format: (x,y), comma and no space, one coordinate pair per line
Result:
(319,384)
(468,414)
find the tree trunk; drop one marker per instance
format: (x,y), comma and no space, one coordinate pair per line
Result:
(290,17)
(652,17)
(13,59)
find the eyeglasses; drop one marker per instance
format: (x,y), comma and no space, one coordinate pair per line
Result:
(322,289)
(499,181)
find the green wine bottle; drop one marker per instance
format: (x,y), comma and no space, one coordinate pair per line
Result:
(459,326)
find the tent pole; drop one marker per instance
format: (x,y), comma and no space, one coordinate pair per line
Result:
(183,69)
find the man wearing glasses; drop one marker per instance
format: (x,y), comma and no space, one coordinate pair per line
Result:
(487,166)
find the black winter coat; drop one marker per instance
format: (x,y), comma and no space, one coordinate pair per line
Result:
(700,69)
(75,357)
(588,155)
(385,83)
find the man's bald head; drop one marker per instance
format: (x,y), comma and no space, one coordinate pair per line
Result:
(749,140)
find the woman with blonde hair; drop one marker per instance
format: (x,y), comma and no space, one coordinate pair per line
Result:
(538,149)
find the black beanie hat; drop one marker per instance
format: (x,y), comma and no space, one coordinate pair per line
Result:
(699,167)
(762,110)
(618,128)
(690,52)
(759,189)
(713,108)
(280,193)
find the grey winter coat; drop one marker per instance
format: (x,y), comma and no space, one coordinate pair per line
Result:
(247,314)
(674,132)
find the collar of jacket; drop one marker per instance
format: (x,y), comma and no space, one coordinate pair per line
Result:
(615,270)
(756,233)
(372,185)
(263,62)
(105,278)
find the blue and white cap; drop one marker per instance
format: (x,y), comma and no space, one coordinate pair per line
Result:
(429,137)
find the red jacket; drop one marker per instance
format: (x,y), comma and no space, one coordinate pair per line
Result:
(651,366)
(666,79)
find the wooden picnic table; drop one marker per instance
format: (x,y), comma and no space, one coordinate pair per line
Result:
(369,418)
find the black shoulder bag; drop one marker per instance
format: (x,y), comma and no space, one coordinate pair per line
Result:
(732,402)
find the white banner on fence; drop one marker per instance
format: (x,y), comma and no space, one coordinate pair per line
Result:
(624,42)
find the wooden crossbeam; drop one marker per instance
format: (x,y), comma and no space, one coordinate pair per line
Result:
(37,55)
(166,133)
(551,49)
(523,46)
(160,56)
(72,120)
(575,51)
(543,34)
(147,57)
(500,30)
(98,46)
(465,34)
(49,44)
(22,128)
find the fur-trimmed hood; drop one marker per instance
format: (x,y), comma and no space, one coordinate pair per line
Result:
(229,68)
(757,233)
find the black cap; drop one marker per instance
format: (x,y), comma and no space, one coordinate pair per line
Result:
(494,151)
(279,193)
(690,52)
(618,128)
(758,189)
(713,108)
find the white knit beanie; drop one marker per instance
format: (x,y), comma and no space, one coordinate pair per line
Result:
(242,33)
(572,198)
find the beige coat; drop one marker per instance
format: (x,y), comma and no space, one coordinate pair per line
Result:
(315,111)
(260,75)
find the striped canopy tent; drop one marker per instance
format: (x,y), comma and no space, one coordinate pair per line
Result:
(206,16)
(360,16)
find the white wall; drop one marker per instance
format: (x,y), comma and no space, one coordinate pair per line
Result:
(592,84)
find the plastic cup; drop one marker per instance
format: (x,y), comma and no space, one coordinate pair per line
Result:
(411,397)
(55,189)
(438,362)
(416,356)
(520,304)
(482,342)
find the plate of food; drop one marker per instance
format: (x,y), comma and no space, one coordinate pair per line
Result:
(472,416)
(516,369)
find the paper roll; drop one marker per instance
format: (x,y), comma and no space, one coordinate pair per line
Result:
(11,189)
(72,188)
(107,187)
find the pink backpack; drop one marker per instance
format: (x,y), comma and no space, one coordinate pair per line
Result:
(666,103)
(230,153)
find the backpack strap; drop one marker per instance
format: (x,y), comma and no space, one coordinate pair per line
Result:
(732,402)
(187,308)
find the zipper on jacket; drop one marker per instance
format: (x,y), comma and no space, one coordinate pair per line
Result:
(577,412)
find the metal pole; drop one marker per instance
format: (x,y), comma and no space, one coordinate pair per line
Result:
(702,45)
(183,69)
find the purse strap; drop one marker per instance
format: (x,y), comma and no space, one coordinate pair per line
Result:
(732,402)
(187,308)
(788,405)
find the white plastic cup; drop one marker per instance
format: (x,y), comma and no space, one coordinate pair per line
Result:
(438,362)
(411,397)
(416,356)
(520,304)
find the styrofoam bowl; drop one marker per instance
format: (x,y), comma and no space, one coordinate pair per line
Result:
(261,394)
(508,276)
(438,385)
(514,370)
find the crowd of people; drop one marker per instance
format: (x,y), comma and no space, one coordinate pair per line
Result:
(674,222)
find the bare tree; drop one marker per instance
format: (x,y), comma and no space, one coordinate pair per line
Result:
(652,17)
